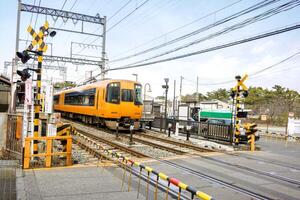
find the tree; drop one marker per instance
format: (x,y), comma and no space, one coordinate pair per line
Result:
(219,94)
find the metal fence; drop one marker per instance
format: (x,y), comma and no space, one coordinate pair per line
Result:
(206,130)
(14,135)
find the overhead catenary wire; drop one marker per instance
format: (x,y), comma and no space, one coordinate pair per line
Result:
(267,14)
(119,10)
(183,26)
(256,73)
(250,9)
(230,44)
(31,17)
(117,23)
(126,16)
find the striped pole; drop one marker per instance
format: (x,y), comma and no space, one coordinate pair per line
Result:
(237,121)
(37,105)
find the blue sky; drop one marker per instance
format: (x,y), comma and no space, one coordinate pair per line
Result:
(156,18)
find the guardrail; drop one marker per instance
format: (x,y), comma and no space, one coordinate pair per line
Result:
(49,150)
(221,132)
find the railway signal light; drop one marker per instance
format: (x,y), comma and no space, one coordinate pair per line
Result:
(24,56)
(24,74)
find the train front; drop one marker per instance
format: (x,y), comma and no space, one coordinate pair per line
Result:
(124,104)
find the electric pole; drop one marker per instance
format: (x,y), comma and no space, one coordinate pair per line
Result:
(166,87)
(103,48)
(197,92)
(174,99)
(180,89)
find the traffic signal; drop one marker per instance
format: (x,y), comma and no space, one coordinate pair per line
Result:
(24,56)
(24,74)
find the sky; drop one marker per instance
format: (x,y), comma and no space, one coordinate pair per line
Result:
(154,19)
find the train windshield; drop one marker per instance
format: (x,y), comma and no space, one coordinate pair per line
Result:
(138,95)
(113,93)
(127,95)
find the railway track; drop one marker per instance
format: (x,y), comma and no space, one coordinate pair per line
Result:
(177,143)
(152,181)
(157,145)
(226,184)
(197,148)
(110,145)
(200,174)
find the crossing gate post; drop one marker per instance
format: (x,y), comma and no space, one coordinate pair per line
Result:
(237,93)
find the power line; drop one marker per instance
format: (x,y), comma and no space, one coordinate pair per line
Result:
(254,74)
(238,42)
(126,16)
(183,26)
(31,17)
(119,10)
(202,29)
(37,15)
(267,14)
(113,26)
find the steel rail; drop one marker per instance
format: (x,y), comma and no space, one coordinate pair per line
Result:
(159,146)
(268,174)
(181,144)
(216,180)
(113,144)
(161,186)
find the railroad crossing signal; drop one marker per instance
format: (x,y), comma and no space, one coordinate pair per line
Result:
(38,38)
(238,92)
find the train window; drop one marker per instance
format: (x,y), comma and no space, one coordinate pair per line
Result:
(113,93)
(138,95)
(55,99)
(84,98)
(127,95)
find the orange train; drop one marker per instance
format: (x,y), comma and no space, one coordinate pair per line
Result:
(103,103)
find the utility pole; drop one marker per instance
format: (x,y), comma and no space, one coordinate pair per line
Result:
(14,63)
(180,89)
(197,91)
(174,99)
(103,48)
(166,87)
(174,103)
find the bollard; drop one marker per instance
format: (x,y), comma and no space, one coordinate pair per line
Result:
(150,125)
(156,187)
(123,178)
(179,193)
(169,129)
(117,129)
(167,192)
(139,185)
(147,189)
(129,177)
(131,132)
(188,128)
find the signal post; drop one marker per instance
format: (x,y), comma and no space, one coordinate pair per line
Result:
(237,93)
